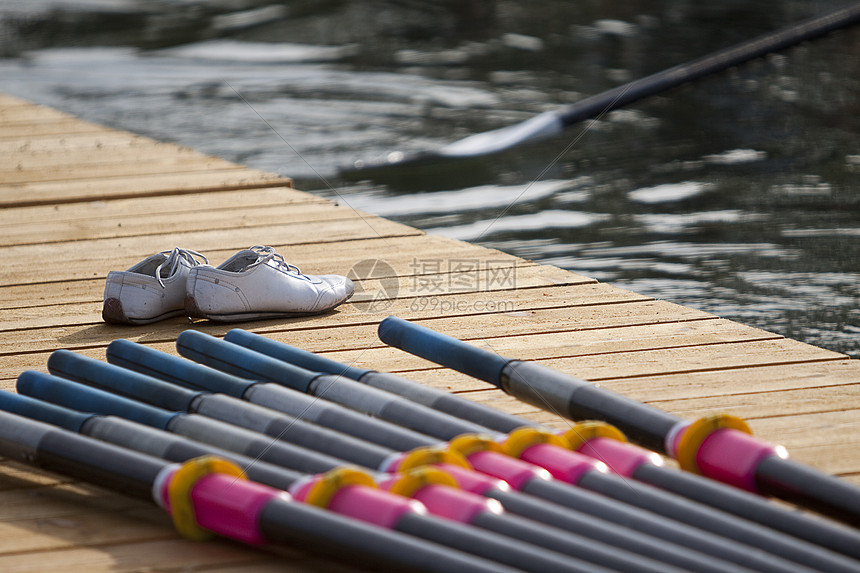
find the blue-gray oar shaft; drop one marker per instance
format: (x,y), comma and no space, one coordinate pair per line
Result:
(92,400)
(188,374)
(750,506)
(534,384)
(420,393)
(222,407)
(234,358)
(140,438)
(253,365)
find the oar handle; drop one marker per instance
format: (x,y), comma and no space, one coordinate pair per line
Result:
(441,349)
(238,361)
(413,391)
(174,369)
(42,411)
(293,355)
(98,374)
(85,399)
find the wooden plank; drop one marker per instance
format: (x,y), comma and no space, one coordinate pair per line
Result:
(640,371)
(190,204)
(9,102)
(840,428)
(19,127)
(96,157)
(469,304)
(40,314)
(134,224)
(624,350)
(103,143)
(15,476)
(401,247)
(21,111)
(167,555)
(133,186)
(50,518)
(558,345)
(83,263)
(137,167)
(83,285)
(742,383)
(715,357)
(752,405)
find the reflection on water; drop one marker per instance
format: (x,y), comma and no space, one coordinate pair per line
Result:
(739,195)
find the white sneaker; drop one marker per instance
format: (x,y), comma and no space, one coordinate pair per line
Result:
(258,283)
(151,290)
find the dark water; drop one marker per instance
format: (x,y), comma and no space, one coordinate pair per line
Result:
(738,195)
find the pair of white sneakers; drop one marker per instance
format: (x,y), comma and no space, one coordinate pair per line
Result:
(254,283)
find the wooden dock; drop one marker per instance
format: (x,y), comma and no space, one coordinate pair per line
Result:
(78,200)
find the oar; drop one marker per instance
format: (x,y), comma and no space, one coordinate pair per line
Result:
(203,405)
(222,504)
(435,488)
(142,438)
(354,494)
(519,474)
(192,375)
(595,440)
(137,358)
(206,349)
(563,464)
(718,447)
(421,393)
(554,122)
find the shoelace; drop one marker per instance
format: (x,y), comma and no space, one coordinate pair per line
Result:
(266,254)
(177,255)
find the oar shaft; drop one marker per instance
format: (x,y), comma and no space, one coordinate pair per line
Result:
(485,513)
(249,443)
(420,393)
(63,452)
(237,360)
(795,482)
(176,448)
(577,399)
(521,555)
(542,387)
(188,374)
(179,370)
(654,500)
(720,548)
(162,394)
(140,438)
(719,523)
(86,399)
(279,521)
(684,73)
